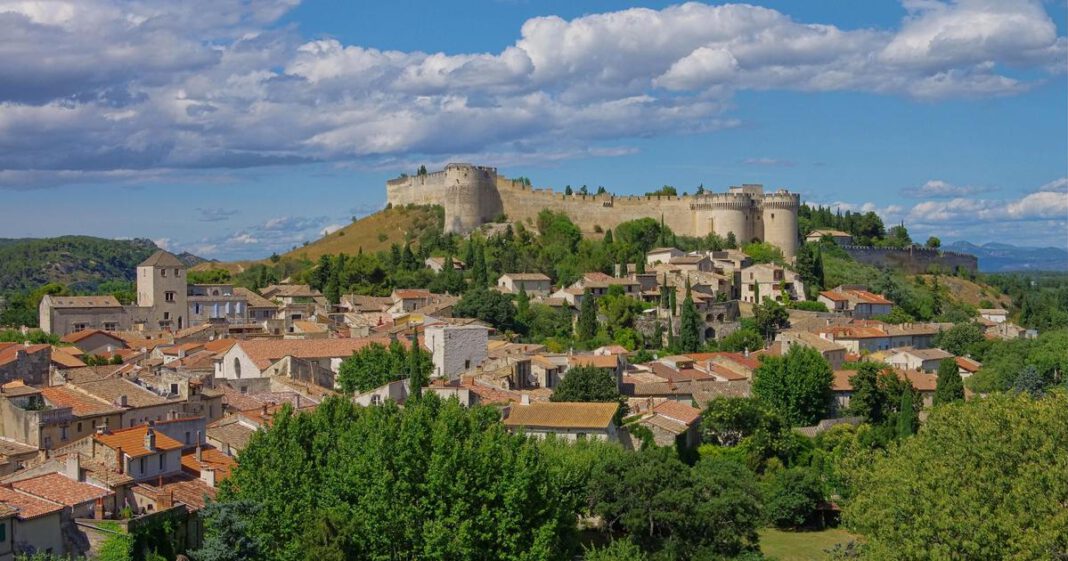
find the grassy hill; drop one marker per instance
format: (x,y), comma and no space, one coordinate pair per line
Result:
(375,232)
(78,262)
(970,292)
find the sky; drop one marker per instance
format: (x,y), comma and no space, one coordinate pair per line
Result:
(238,128)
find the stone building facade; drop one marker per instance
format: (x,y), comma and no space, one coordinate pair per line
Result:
(472,195)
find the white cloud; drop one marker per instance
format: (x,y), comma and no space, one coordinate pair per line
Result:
(147,89)
(937,189)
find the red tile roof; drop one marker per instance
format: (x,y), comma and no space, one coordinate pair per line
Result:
(10,352)
(61,489)
(264,352)
(132,441)
(28,506)
(210,457)
(81,405)
(678,411)
(562,415)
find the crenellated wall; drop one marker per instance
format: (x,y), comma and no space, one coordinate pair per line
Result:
(473,195)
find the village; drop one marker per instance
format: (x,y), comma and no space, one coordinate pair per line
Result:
(143,410)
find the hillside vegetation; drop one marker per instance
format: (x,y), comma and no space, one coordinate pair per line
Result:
(374,233)
(78,262)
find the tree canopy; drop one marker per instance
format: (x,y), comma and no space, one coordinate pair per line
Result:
(797,385)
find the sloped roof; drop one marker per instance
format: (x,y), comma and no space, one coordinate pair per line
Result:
(162,258)
(64,359)
(132,441)
(86,333)
(678,411)
(210,457)
(27,506)
(61,489)
(253,298)
(106,301)
(81,405)
(264,352)
(562,415)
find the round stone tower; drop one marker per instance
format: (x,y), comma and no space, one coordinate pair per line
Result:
(780,221)
(471,197)
(731,212)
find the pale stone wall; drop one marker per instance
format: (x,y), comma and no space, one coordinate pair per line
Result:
(915,260)
(472,195)
(456,349)
(153,285)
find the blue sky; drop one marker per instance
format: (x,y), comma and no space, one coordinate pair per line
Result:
(233,128)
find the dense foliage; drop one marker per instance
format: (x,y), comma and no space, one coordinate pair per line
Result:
(431,481)
(796,385)
(967,488)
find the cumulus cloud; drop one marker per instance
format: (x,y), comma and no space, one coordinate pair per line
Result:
(279,234)
(98,87)
(938,189)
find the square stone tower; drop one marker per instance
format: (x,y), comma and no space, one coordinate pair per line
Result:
(161,292)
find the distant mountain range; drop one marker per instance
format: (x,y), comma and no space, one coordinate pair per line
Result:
(79,262)
(1002,257)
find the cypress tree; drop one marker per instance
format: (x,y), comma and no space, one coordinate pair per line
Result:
(732,241)
(906,417)
(949,387)
(586,326)
(689,327)
(417,375)
(608,237)
(639,265)
(817,270)
(522,303)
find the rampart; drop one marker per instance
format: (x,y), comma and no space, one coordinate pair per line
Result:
(914,259)
(473,195)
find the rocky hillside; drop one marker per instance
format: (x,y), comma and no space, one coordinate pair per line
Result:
(375,232)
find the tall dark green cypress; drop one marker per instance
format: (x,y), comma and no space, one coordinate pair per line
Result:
(586,326)
(949,386)
(906,416)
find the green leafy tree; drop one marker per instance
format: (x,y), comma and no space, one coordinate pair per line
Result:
(489,306)
(792,497)
(869,399)
(933,242)
(587,384)
(1029,382)
(227,534)
(727,420)
(419,368)
(368,368)
(586,325)
(912,503)
(949,387)
(616,550)
(797,385)
(395,483)
(770,317)
(961,339)
(744,339)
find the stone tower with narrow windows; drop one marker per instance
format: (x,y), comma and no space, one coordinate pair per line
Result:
(162,292)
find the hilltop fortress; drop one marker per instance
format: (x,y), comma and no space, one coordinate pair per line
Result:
(473,195)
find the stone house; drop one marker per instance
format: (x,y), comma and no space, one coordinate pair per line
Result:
(839,237)
(568,421)
(855,301)
(456,348)
(674,423)
(36,524)
(216,303)
(923,360)
(254,358)
(25,363)
(691,263)
(60,315)
(767,280)
(662,255)
(94,341)
(535,284)
(832,352)
(996,315)
(437,264)
(52,417)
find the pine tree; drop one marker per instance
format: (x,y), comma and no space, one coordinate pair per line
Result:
(732,241)
(906,417)
(608,237)
(586,327)
(949,387)
(479,274)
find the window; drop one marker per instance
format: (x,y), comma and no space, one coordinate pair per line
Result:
(168,296)
(62,433)
(177,272)
(79,427)
(187,439)
(467,365)
(111,326)
(237,367)
(142,466)
(163,272)
(166,316)
(80,326)
(196,309)
(162,461)
(174,388)
(3,532)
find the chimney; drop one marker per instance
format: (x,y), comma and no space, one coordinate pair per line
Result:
(207,475)
(119,460)
(165,501)
(199,453)
(72,468)
(150,439)
(200,437)
(98,509)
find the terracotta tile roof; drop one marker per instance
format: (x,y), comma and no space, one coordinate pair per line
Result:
(61,489)
(665,423)
(968,364)
(110,390)
(91,373)
(834,295)
(562,415)
(310,326)
(231,431)
(929,354)
(412,294)
(63,359)
(265,352)
(678,411)
(28,506)
(107,301)
(722,372)
(10,353)
(253,299)
(203,360)
(81,405)
(683,374)
(596,361)
(162,258)
(186,489)
(85,334)
(841,381)
(132,441)
(210,457)
(870,297)
(920,381)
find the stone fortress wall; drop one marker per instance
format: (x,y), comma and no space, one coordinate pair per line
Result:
(914,260)
(473,195)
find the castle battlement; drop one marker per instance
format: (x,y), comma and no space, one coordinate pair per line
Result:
(472,195)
